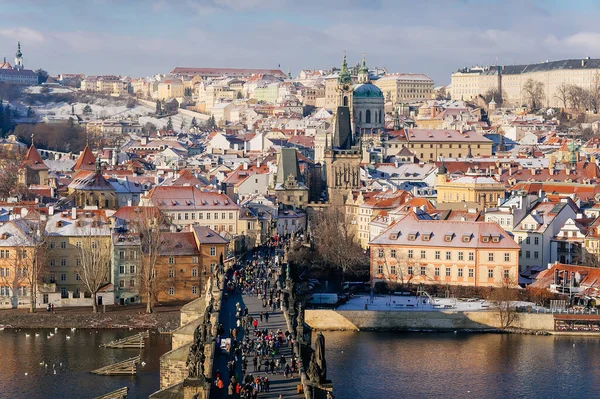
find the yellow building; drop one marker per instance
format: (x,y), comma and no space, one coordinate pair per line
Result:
(429,145)
(445,252)
(478,192)
(170,88)
(468,83)
(66,232)
(405,87)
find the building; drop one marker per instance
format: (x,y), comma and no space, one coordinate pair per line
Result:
(92,189)
(17,75)
(470,191)
(428,145)
(170,88)
(289,183)
(414,250)
(108,84)
(33,170)
(186,205)
(206,73)
(469,83)
(400,88)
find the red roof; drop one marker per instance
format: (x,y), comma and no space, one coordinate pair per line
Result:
(33,160)
(86,161)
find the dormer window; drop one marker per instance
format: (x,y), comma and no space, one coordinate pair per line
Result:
(426,236)
(394,236)
(412,236)
(466,238)
(496,238)
(485,238)
(448,237)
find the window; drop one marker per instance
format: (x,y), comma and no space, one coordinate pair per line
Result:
(460,272)
(122,269)
(52,262)
(63,262)
(527,240)
(51,244)
(393,254)
(207,216)
(122,283)
(194,259)
(230,215)
(121,254)
(471,273)
(132,269)
(437,255)
(78,244)
(63,292)
(63,244)
(506,274)
(200,215)
(448,255)
(520,240)
(380,253)
(536,240)
(223,215)
(536,255)
(216,215)
(527,254)
(393,269)
(507,257)
(63,277)
(422,254)
(410,270)
(461,255)
(437,272)
(490,273)
(471,256)
(195,272)
(132,283)
(171,290)
(423,269)
(171,273)
(194,290)
(133,254)
(380,269)
(213,251)
(490,257)
(410,254)
(171,260)
(447,272)
(186,216)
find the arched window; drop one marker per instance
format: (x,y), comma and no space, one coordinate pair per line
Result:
(368,116)
(360,116)
(380,117)
(345,101)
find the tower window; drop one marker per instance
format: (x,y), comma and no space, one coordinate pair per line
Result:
(368,116)
(345,101)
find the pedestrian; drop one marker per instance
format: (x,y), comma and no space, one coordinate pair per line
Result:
(272,365)
(230,391)
(261,317)
(255,362)
(267,317)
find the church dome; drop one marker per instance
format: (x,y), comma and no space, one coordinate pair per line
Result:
(367,90)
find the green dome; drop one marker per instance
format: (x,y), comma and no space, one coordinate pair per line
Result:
(367,90)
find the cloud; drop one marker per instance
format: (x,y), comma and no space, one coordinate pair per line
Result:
(24,34)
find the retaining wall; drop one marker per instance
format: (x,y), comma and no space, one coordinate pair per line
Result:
(326,319)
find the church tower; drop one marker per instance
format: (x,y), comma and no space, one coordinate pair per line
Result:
(344,87)
(18,58)
(363,72)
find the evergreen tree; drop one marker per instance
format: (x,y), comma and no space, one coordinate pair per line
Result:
(87,109)
(72,109)
(194,122)
(211,122)
(158,107)
(169,124)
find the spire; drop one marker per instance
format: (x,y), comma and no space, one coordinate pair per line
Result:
(501,146)
(19,54)
(344,76)
(363,72)
(442,169)
(363,66)
(98,164)
(32,135)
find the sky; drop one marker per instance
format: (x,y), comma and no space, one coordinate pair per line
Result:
(435,37)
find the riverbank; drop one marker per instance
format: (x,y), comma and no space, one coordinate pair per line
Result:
(164,318)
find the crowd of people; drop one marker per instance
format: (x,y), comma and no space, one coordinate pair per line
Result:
(249,342)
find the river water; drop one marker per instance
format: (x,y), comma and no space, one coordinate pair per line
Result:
(362,365)
(73,359)
(368,365)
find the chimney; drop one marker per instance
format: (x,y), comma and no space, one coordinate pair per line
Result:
(74,213)
(129,202)
(245,166)
(258,163)
(51,210)
(144,140)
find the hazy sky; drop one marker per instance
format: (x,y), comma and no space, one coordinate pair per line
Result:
(435,37)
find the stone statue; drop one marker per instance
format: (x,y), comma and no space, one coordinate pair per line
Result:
(320,355)
(197,335)
(313,369)
(192,361)
(300,315)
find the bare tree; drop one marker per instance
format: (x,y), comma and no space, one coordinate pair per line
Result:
(34,253)
(504,298)
(336,241)
(562,94)
(147,224)
(594,93)
(94,258)
(533,93)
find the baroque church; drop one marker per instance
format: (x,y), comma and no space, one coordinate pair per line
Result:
(358,128)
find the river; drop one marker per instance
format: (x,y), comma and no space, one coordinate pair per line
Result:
(368,365)
(22,376)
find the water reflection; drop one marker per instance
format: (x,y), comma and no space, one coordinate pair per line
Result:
(46,366)
(411,365)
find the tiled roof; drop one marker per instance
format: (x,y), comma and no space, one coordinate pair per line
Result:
(86,160)
(33,160)
(402,232)
(182,243)
(189,198)
(205,235)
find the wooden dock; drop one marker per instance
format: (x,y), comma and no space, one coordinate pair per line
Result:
(120,393)
(134,341)
(126,367)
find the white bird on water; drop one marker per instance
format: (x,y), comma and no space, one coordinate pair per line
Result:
(73,329)
(54,372)
(68,337)
(37,334)
(143,364)
(27,335)
(25,373)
